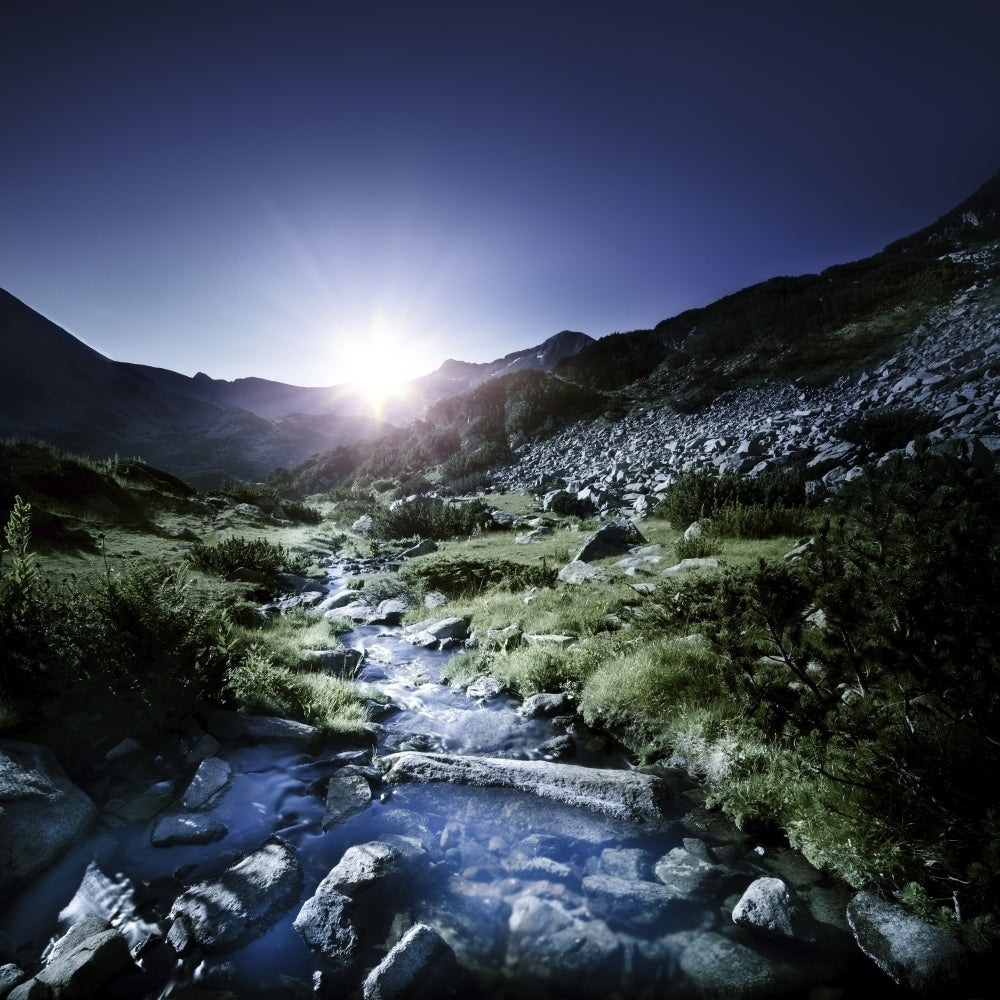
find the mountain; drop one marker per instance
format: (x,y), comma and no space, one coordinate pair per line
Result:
(822,368)
(55,388)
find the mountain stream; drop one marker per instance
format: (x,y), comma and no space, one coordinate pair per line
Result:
(516,884)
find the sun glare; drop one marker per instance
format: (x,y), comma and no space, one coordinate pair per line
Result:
(379,361)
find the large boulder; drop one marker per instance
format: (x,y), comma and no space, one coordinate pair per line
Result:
(41,811)
(910,951)
(239,905)
(324,922)
(613,539)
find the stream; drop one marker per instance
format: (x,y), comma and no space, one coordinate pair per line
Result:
(501,875)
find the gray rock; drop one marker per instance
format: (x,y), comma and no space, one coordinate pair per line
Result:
(705,562)
(627,862)
(484,688)
(227,725)
(694,877)
(389,612)
(363,524)
(41,811)
(347,795)
(211,778)
(770,908)
(558,947)
(10,976)
(631,904)
(910,951)
(81,963)
(186,829)
(339,662)
(546,705)
(232,909)
(577,573)
(326,924)
(420,965)
(614,539)
(627,795)
(721,968)
(422,548)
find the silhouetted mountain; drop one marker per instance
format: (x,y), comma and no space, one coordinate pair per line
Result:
(54,388)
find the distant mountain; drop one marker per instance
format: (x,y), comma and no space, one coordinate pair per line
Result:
(455,378)
(56,389)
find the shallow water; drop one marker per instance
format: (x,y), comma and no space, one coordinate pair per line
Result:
(500,875)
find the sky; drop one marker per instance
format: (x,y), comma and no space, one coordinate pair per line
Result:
(316,191)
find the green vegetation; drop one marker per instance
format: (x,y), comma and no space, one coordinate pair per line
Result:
(108,623)
(428,517)
(257,555)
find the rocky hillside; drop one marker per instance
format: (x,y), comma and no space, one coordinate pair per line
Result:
(941,386)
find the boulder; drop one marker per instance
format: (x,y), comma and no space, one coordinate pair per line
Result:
(579,572)
(771,909)
(720,967)
(339,662)
(226,725)
(41,811)
(420,965)
(546,705)
(422,548)
(613,539)
(484,688)
(910,951)
(347,795)
(389,612)
(232,909)
(211,778)
(80,964)
(326,925)
(631,904)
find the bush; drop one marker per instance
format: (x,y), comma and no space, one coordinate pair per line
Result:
(460,577)
(429,517)
(255,554)
(882,430)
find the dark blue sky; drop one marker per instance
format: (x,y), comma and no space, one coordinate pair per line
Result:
(286,188)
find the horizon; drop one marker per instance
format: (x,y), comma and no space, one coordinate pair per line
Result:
(319,196)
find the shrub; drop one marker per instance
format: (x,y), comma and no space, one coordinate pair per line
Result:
(882,430)
(460,577)
(256,554)
(429,517)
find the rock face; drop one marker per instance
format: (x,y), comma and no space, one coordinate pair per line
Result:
(908,950)
(627,795)
(41,811)
(226,912)
(610,540)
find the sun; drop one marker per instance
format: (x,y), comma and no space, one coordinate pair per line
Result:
(379,361)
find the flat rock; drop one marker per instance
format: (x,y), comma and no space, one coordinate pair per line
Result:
(41,811)
(226,725)
(186,829)
(632,904)
(625,795)
(211,778)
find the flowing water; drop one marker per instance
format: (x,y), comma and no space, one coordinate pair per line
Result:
(499,874)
